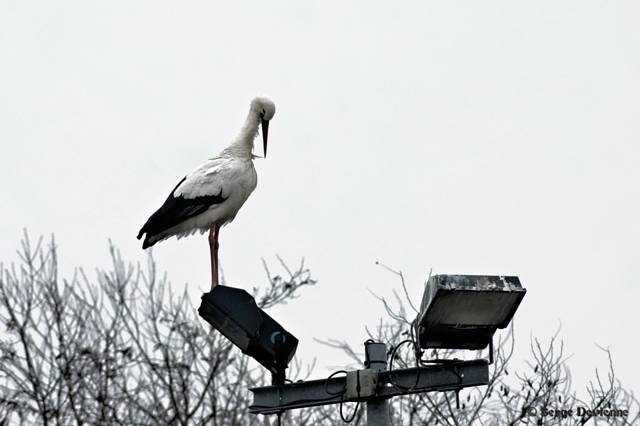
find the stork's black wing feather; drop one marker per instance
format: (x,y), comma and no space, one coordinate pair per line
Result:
(174,211)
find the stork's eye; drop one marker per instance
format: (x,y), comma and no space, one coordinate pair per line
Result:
(262,113)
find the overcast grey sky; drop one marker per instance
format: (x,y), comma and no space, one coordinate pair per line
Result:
(468,137)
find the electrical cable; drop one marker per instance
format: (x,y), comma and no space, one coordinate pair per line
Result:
(341,392)
(332,396)
(353,416)
(355,411)
(293,404)
(436,361)
(390,368)
(326,383)
(418,356)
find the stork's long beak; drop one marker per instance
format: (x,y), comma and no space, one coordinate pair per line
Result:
(265,133)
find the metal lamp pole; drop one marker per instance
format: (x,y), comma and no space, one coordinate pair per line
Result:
(376,360)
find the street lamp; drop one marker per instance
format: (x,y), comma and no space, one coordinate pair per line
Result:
(464,311)
(235,314)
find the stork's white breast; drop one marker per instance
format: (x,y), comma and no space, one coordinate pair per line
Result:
(233,178)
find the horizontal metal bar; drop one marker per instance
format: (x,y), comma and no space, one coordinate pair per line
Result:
(439,377)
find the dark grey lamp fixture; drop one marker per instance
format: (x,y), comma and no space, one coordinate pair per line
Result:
(234,313)
(464,311)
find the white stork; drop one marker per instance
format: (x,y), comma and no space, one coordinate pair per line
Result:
(210,196)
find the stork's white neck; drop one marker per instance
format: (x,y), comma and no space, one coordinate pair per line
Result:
(243,145)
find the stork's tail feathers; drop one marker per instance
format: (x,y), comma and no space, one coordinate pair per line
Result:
(146,243)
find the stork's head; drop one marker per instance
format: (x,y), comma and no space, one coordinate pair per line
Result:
(265,109)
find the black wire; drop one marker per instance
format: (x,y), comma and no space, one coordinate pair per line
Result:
(441,361)
(292,404)
(393,355)
(416,340)
(341,392)
(326,384)
(353,416)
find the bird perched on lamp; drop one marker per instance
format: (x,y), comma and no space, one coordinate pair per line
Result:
(211,195)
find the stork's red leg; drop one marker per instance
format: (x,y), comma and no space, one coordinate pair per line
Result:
(213,247)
